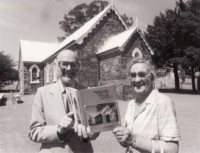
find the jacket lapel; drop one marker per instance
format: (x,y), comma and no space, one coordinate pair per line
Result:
(55,95)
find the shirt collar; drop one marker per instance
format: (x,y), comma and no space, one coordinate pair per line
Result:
(62,87)
(152,96)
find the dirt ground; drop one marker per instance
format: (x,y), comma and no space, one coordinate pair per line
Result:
(14,123)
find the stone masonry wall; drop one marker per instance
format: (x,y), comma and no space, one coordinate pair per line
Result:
(114,69)
(136,42)
(31,88)
(90,71)
(51,72)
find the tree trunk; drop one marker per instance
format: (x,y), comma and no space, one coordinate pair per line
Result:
(176,78)
(193,79)
(198,84)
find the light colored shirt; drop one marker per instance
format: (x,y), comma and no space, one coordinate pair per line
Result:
(65,95)
(157,121)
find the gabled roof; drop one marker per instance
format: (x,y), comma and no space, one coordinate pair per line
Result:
(39,52)
(32,51)
(87,28)
(93,115)
(145,42)
(117,41)
(120,40)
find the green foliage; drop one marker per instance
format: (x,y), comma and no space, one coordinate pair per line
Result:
(82,13)
(7,71)
(79,15)
(175,37)
(127,20)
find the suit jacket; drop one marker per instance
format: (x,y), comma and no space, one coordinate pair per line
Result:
(47,111)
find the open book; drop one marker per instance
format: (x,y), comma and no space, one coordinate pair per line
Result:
(96,107)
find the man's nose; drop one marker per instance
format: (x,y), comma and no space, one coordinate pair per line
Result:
(137,78)
(68,67)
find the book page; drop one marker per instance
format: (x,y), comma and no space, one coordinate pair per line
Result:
(101,110)
(75,106)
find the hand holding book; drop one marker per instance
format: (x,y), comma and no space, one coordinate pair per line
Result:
(95,108)
(84,132)
(66,123)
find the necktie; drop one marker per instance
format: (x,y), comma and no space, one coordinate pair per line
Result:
(67,104)
(67,101)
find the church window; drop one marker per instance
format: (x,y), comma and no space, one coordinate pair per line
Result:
(34,74)
(137,53)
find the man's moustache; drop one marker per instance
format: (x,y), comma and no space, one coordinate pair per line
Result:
(71,74)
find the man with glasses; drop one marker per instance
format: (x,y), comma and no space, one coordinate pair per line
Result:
(52,123)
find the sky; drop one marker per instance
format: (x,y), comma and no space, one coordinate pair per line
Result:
(38,20)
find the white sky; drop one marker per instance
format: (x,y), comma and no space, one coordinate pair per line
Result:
(38,20)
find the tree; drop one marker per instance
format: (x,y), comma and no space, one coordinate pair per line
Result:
(82,13)
(7,71)
(162,40)
(189,20)
(173,35)
(191,63)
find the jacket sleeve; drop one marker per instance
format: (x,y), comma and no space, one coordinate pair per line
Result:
(38,130)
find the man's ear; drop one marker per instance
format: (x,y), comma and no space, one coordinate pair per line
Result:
(152,77)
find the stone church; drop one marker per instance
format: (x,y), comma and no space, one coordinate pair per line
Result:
(105,48)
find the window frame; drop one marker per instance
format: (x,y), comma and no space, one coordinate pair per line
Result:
(135,51)
(37,81)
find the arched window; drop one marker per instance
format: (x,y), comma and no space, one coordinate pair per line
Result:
(54,70)
(34,74)
(137,53)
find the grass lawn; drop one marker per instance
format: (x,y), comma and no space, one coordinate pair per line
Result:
(14,124)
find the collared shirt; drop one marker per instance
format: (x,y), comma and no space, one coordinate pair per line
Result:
(64,92)
(157,121)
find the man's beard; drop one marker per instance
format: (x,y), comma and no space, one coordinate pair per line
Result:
(68,77)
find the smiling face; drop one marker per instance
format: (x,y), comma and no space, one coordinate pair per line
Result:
(141,79)
(68,66)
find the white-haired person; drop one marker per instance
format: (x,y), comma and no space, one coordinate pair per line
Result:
(150,121)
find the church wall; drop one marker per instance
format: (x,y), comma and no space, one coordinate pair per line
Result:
(114,67)
(89,73)
(31,88)
(108,68)
(51,72)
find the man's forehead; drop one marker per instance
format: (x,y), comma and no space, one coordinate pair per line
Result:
(139,67)
(67,55)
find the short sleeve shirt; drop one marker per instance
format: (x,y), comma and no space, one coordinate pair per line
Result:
(157,121)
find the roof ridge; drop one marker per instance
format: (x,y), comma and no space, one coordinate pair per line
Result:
(41,42)
(100,50)
(87,28)
(144,40)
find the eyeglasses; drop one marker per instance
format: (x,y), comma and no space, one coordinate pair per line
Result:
(64,64)
(141,74)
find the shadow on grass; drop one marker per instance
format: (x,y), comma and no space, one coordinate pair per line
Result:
(182,91)
(20,102)
(3,101)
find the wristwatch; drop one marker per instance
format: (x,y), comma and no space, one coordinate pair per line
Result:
(59,129)
(85,140)
(60,135)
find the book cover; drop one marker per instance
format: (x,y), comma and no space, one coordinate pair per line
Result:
(96,107)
